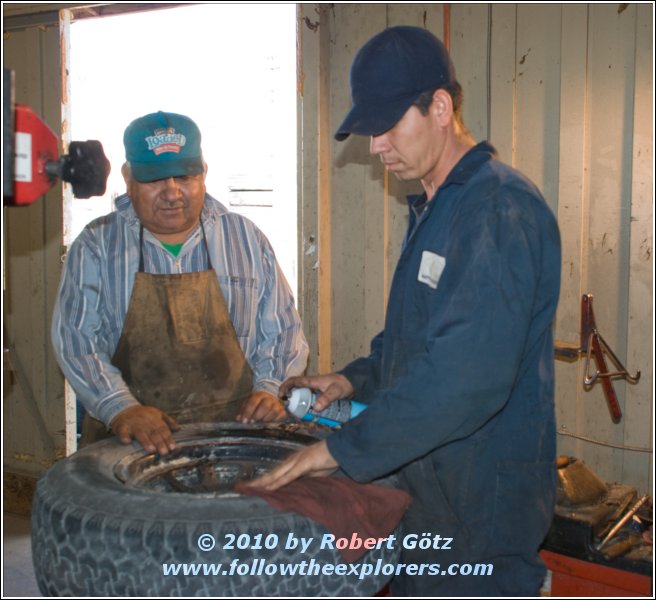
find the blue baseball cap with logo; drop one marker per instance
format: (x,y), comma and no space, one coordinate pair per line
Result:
(389,73)
(162,145)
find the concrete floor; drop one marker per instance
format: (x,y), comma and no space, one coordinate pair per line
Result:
(17,572)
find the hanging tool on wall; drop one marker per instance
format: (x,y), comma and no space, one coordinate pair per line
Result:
(593,345)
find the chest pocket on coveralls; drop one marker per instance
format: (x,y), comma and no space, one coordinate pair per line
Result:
(241,296)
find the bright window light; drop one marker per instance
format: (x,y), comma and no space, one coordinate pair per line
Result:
(231,68)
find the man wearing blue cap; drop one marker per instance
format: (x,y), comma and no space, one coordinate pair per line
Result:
(172,309)
(460,381)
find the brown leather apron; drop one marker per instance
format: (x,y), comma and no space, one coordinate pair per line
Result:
(178,349)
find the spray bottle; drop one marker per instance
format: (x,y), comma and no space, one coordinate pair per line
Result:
(301,401)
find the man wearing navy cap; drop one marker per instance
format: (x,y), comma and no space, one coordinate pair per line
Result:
(172,309)
(460,382)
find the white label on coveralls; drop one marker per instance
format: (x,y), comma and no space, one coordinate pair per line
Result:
(430,269)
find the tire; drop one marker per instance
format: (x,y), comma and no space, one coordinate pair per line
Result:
(106,521)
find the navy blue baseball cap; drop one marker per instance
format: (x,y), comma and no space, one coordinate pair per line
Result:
(162,145)
(389,73)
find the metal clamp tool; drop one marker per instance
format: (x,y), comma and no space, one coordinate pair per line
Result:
(593,344)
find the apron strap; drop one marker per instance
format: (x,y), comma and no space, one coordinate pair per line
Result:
(141,258)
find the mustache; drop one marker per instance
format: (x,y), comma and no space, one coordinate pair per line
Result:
(171,204)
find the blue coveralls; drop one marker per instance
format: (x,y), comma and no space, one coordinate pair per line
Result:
(460,382)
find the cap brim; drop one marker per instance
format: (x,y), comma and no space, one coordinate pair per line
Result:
(152,171)
(372,119)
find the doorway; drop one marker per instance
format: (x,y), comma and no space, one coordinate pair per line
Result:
(231,68)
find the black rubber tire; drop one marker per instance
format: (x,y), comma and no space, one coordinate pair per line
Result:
(94,535)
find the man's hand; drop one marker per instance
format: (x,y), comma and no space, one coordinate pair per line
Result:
(150,426)
(313,461)
(261,406)
(330,387)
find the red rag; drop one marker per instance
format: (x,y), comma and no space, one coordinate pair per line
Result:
(344,507)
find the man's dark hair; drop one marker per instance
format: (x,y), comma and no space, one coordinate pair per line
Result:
(454,89)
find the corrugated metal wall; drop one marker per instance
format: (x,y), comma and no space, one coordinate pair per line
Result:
(564,92)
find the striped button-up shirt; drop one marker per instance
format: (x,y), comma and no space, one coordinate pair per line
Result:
(97,282)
